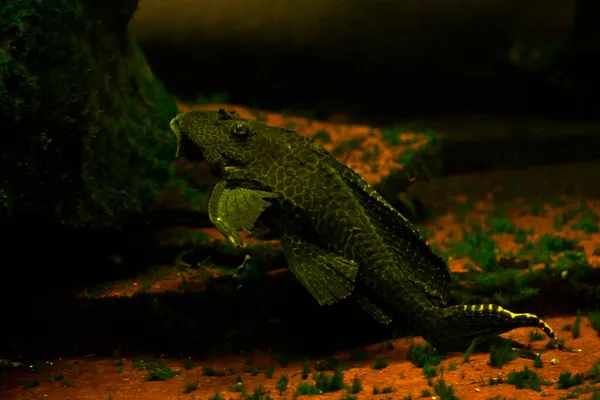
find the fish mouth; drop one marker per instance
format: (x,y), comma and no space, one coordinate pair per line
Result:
(176,129)
(193,151)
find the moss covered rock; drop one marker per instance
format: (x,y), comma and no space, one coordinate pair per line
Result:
(84,135)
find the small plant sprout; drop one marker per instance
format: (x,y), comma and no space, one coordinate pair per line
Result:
(576,329)
(567,380)
(535,335)
(356,386)
(305,369)
(385,390)
(269,371)
(282,384)
(380,363)
(189,387)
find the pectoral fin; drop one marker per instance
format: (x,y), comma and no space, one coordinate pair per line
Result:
(326,276)
(232,209)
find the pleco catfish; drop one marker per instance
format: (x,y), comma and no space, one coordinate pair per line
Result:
(338,235)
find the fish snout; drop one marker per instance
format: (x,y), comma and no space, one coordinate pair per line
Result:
(175,125)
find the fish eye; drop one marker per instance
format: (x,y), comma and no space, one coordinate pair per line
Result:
(240,129)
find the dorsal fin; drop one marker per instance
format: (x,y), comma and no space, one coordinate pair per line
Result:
(429,270)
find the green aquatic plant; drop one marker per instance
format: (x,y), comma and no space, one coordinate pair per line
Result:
(322,136)
(594,373)
(426,357)
(559,221)
(429,371)
(189,387)
(384,390)
(282,384)
(567,380)
(347,146)
(330,383)
(535,336)
(572,261)
(159,372)
(445,391)
(576,329)
(501,354)
(330,363)
(501,225)
(477,245)
(594,318)
(537,209)
(555,244)
(269,371)
(371,157)
(323,384)
(307,389)
(578,391)
(239,386)
(588,224)
(421,355)
(521,236)
(305,369)
(380,363)
(525,379)
(392,136)
(259,393)
(588,220)
(252,369)
(210,371)
(356,386)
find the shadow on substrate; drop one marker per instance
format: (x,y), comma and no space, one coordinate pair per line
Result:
(43,319)
(274,313)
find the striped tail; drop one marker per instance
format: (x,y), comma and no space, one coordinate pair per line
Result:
(460,325)
(492,318)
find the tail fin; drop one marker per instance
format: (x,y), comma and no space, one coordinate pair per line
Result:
(492,318)
(463,324)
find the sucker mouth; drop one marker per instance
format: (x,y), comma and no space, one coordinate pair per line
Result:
(174,124)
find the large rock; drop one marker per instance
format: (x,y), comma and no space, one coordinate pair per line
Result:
(84,123)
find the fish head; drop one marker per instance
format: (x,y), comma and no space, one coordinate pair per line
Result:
(224,139)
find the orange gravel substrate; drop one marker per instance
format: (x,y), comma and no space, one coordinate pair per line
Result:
(117,379)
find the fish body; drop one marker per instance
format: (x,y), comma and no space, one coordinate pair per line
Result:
(339,237)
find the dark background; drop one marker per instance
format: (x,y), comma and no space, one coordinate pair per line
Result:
(382,61)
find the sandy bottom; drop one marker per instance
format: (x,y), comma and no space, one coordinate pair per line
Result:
(116,378)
